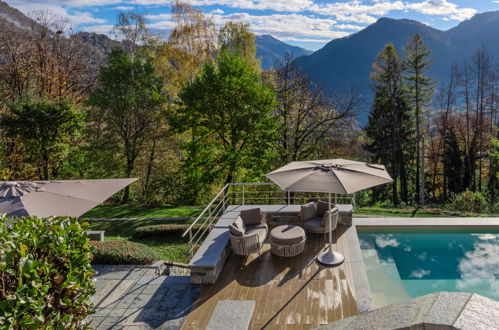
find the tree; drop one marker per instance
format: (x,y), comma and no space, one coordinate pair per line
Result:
(191,42)
(421,88)
(227,109)
(305,114)
(46,131)
(389,128)
(236,38)
(127,102)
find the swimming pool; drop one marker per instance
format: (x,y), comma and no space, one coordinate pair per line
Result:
(408,263)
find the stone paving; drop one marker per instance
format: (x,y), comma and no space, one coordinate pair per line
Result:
(136,297)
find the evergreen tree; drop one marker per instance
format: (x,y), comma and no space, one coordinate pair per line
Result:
(390,126)
(421,89)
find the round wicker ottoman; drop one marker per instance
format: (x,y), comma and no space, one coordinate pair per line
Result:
(287,240)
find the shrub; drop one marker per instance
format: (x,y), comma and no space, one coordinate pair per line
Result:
(45,273)
(161,230)
(469,201)
(123,253)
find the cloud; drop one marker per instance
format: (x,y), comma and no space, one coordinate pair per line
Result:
(74,17)
(349,27)
(124,8)
(442,8)
(292,27)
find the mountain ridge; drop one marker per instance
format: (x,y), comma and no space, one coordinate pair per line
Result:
(347,62)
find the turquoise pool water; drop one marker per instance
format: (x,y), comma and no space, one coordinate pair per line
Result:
(406,264)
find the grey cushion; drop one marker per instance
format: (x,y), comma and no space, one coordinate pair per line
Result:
(308,211)
(237,228)
(287,235)
(317,226)
(322,207)
(260,230)
(251,216)
(314,225)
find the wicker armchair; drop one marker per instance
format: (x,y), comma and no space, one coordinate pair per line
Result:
(248,233)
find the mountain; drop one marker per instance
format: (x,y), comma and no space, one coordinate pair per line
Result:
(270,50)
(347,62)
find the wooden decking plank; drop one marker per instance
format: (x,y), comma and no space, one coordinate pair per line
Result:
(298,291)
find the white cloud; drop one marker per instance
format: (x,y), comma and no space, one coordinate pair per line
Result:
(74,18)
(442,8)
(349,27)
(66,3)
(124,8)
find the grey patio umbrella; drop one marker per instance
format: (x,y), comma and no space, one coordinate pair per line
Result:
(56,197)
(339,176)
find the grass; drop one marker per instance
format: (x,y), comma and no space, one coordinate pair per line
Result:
(407,212)
(123,253)
(170,247)
(126,211)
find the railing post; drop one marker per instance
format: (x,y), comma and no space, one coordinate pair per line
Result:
(335,199)
(190,243)
(243,193)
(289,197)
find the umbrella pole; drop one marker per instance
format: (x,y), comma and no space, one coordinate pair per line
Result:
(330,221)
(330,257)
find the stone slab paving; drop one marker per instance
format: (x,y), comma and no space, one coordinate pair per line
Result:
(231,314)
(136,297)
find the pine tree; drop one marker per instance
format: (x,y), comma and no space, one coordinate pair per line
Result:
(390,125)
(421,89)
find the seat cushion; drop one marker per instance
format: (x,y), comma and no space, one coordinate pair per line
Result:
(251,216)
(322,207)
(314,225)
(237,228)
(260,230)
(287,235)
(308,211)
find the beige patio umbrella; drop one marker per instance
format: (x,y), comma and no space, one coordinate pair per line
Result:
(56,197)
(338,176)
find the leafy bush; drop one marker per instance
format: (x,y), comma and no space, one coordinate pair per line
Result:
(161,230)
(45,273)
(469,201)
(123,253)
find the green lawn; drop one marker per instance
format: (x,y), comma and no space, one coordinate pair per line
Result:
(407,212)
(126,211)
(171,247)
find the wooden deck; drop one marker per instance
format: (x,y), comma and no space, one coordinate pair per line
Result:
(290,293)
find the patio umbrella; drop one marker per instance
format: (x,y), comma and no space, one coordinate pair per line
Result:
(56,198)
(339,176)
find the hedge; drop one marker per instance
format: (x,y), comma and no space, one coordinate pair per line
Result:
(123,253)
(45,273)
(161,230)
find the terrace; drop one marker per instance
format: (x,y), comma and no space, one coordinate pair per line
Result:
(293,292)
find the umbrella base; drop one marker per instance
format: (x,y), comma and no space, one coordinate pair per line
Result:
(330,258)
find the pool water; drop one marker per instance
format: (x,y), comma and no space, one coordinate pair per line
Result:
(406,264)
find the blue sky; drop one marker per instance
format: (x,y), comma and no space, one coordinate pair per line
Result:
(306,23)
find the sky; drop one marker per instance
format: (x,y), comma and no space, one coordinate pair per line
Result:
(306,23)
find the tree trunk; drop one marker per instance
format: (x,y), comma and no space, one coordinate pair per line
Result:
(149,170)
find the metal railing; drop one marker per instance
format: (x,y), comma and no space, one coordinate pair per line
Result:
(260,193)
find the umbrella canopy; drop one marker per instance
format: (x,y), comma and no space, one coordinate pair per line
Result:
(56,198)
(339,176)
